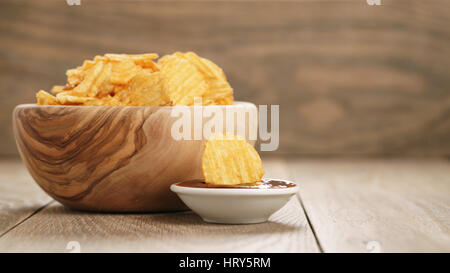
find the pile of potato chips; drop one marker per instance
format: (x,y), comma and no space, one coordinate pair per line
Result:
(230,160)
(122,79)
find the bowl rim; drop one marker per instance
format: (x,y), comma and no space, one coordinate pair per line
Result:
(235,192)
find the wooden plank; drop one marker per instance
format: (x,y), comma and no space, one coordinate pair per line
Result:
(334,67)
(20,197)
(375,205)
(51,229)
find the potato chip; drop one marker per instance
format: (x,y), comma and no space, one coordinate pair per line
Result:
(105,101)
(76,75)
(142,60)
(208,68)
(219,91)
(44,98)
(134,57)
(182,80)
(96,81)
(66,98)
(230,160)
(147,89)
(61,88)
(57,89)
(218,72)
(123,72)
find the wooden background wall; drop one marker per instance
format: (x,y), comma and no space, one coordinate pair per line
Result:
(349,78)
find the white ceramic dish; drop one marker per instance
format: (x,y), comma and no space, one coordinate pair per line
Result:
(234,205)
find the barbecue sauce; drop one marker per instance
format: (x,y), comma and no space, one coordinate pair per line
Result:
(265,184)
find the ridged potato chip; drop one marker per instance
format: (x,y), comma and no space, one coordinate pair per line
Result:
(182,80)
(96,82)
(105,101)
(66,98)
(146,89)
(219,90)
(208,68)
(76,75)
(142,60)
(123,72)
(44,98)
(220,93)
(58,89)
(230,160)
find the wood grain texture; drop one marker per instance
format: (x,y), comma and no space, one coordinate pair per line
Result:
(20,197)
(386,206)
(349,78)
(52,228)
(119,158)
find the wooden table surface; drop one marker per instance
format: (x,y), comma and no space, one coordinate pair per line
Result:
(353,205)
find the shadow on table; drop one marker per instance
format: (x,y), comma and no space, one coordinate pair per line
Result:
(171,221)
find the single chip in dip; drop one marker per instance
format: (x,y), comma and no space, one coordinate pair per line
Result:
(230,160)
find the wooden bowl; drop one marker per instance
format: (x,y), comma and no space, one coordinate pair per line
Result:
(111,158)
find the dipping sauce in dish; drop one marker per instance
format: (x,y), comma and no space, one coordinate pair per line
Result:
(264,184)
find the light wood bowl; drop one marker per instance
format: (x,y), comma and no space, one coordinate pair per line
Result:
(110,158)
